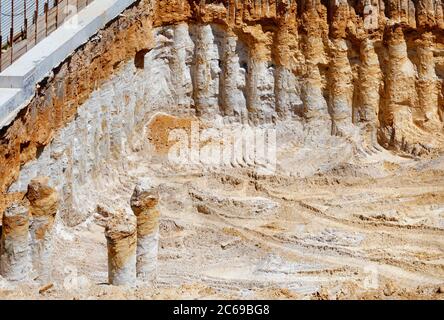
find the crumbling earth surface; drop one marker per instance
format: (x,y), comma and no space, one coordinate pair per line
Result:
(368,227)
(347,203)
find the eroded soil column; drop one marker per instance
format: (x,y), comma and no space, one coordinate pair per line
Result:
(144,202)
(14,248)
(44,203)
(121,240)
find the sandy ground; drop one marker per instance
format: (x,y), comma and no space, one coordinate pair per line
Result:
(333,221)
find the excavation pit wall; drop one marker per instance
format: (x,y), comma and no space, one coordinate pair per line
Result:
(260,66)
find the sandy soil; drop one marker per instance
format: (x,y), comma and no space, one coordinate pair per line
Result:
(333,221)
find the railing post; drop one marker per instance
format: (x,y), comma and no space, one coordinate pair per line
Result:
(36,18)
(1,45)
(1,37)
(25,21)
(56,4)
(45,8)
(11,36)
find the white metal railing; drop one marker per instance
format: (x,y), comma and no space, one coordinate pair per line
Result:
(24,23)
